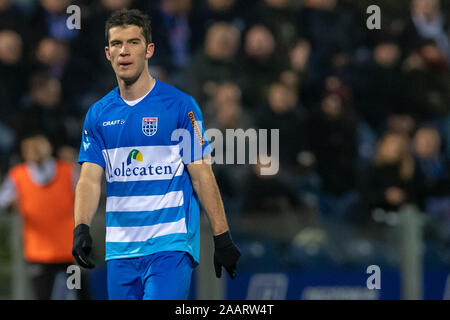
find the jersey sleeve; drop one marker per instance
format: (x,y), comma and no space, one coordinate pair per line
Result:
(90,149)
(196,144)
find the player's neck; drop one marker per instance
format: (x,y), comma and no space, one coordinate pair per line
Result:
(137,89)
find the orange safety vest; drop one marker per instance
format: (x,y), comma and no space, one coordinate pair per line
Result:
(48,214)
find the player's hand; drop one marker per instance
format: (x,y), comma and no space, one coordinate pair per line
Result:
(82,246)
(226,255)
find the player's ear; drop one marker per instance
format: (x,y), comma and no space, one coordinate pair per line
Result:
(108,55)
(150,50)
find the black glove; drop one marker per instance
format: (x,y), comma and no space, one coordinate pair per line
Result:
(82,246)
(226,254)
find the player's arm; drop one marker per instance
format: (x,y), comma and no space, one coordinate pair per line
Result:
(226,253)
(87,193)
(205,186)
(87,196)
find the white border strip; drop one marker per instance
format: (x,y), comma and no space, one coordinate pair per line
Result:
(145,203)
(136,234)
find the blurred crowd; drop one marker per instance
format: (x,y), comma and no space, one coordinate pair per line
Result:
(363,114)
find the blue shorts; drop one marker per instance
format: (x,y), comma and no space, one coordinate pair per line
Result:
(163,275)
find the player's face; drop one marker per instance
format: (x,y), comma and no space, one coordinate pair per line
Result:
(128,52)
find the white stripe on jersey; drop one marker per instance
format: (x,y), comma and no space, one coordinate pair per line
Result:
(145,203)
(134,234)
(158,163)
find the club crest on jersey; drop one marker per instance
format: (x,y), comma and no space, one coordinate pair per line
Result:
(149,126)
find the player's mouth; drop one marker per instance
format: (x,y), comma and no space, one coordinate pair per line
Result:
(125,65)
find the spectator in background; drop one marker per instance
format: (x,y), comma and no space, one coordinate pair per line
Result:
(215,63)
(328,30)
(277,15)
(283,111)
(45,110)
(401,124)
(261,65)
(174,37)
(299,55)
(206,13)
(427,22)
(393,179)
(380,87)
(332,131)
(44,188)
(435,168)
(13,73)
(50,20)
(10,18)
(225,112)
(428,83)
(51,60)
(52,55)
(299,62)
(267,193)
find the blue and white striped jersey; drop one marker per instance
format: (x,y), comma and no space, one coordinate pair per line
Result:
(151,205)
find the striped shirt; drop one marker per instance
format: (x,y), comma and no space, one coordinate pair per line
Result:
(144,149)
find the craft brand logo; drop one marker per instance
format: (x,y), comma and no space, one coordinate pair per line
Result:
(113,122)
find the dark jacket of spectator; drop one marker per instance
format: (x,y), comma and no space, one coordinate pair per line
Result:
(394,178)
(332,131)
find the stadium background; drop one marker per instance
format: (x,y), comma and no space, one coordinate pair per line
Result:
(354,107)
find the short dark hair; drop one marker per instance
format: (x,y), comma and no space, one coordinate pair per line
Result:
(129,17)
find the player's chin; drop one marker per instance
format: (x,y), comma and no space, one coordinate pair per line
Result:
(127,76)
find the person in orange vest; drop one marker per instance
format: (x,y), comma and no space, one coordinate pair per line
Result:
(43,188)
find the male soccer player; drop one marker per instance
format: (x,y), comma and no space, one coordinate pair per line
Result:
(154,183)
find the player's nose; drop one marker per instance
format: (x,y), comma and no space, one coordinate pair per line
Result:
(124,50)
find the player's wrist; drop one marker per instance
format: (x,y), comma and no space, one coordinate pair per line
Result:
(81,229)
(223,240)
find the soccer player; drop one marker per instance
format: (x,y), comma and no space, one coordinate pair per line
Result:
(154,182)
